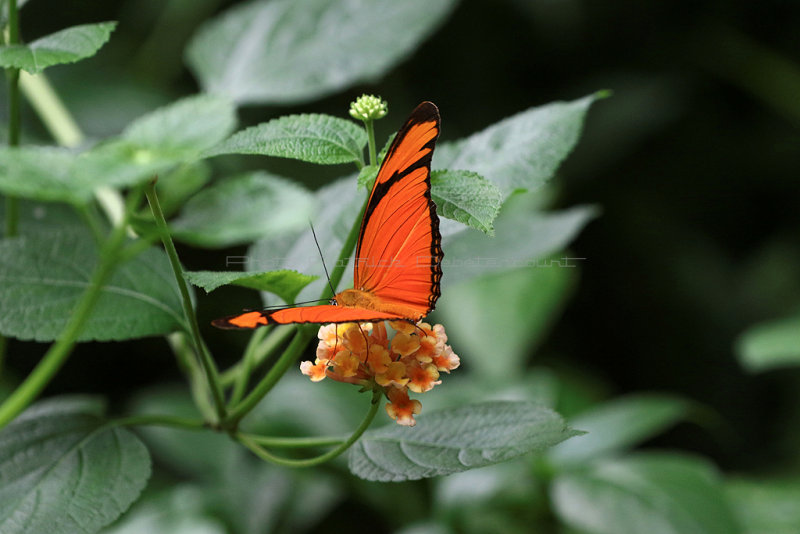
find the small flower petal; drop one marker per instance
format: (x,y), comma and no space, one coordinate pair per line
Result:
(401,408)
(314,372)
(422,378)
(405,344)
(395,375)
(378,359)
(345,363)
(447,360)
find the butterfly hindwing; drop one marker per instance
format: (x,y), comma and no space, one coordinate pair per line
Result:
(399,254)
(308,314)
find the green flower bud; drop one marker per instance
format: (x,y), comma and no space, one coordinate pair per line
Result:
(368,108)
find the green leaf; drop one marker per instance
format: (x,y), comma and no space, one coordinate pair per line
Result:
(522,151)
(366,176)
(284,51)
(175,187)
(63,470)
(42,173)
(617,425)
(152,145)
(655,493)
(466,197)
(242,209)
(42,277)
(66,46)
(310,137)
(284,283)
(766,506)
(449,441)
(182,129)
(770,345)
(470,253)
(181,509)
(484,316)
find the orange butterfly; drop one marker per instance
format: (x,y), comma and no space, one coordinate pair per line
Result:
(399,254)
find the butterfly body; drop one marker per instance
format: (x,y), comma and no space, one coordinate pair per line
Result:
(397,268)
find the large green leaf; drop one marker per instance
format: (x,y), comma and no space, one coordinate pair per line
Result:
(522,151)
(457,439)
(66,46)
(466,197)
(242,209)
(657,493)
(310,137)
(285,283)
(150,146)
(62,470)
(619,424)
(182,129)
(522,238)
(284,51)
(494,338)
(770,345)
(42,276)
(766,506)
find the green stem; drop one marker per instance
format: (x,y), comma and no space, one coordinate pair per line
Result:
(373,151)
(277,336)
(292,352)
(51,110)
(207,363)
(242,378)
(292,443)
(187,362)
(60,350)
(262,453)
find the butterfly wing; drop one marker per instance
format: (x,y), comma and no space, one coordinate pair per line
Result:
(399,253)
(308,314)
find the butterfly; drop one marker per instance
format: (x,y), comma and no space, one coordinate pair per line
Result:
(397,269)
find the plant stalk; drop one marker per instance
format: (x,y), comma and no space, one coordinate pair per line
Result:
(60,350)
(252,443)
(206,361)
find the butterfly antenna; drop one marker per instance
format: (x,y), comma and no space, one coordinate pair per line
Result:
(321,257)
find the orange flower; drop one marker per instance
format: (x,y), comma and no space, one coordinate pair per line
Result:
(405,344)
(314,372)
(447,360)
(365,355)
(378,359)
(395,375)
(401,408)
(422,378)
(345,363)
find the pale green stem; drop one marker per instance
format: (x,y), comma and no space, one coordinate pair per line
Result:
(277,336)
(206,361)
(66,132)
(60,350)
(248,363)
(262,453)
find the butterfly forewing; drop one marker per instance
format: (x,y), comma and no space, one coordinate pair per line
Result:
(399,253)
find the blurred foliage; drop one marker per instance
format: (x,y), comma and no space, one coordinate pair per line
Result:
(693,165)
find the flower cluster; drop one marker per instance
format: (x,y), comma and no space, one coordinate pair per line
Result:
(368,107)
(363,354)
